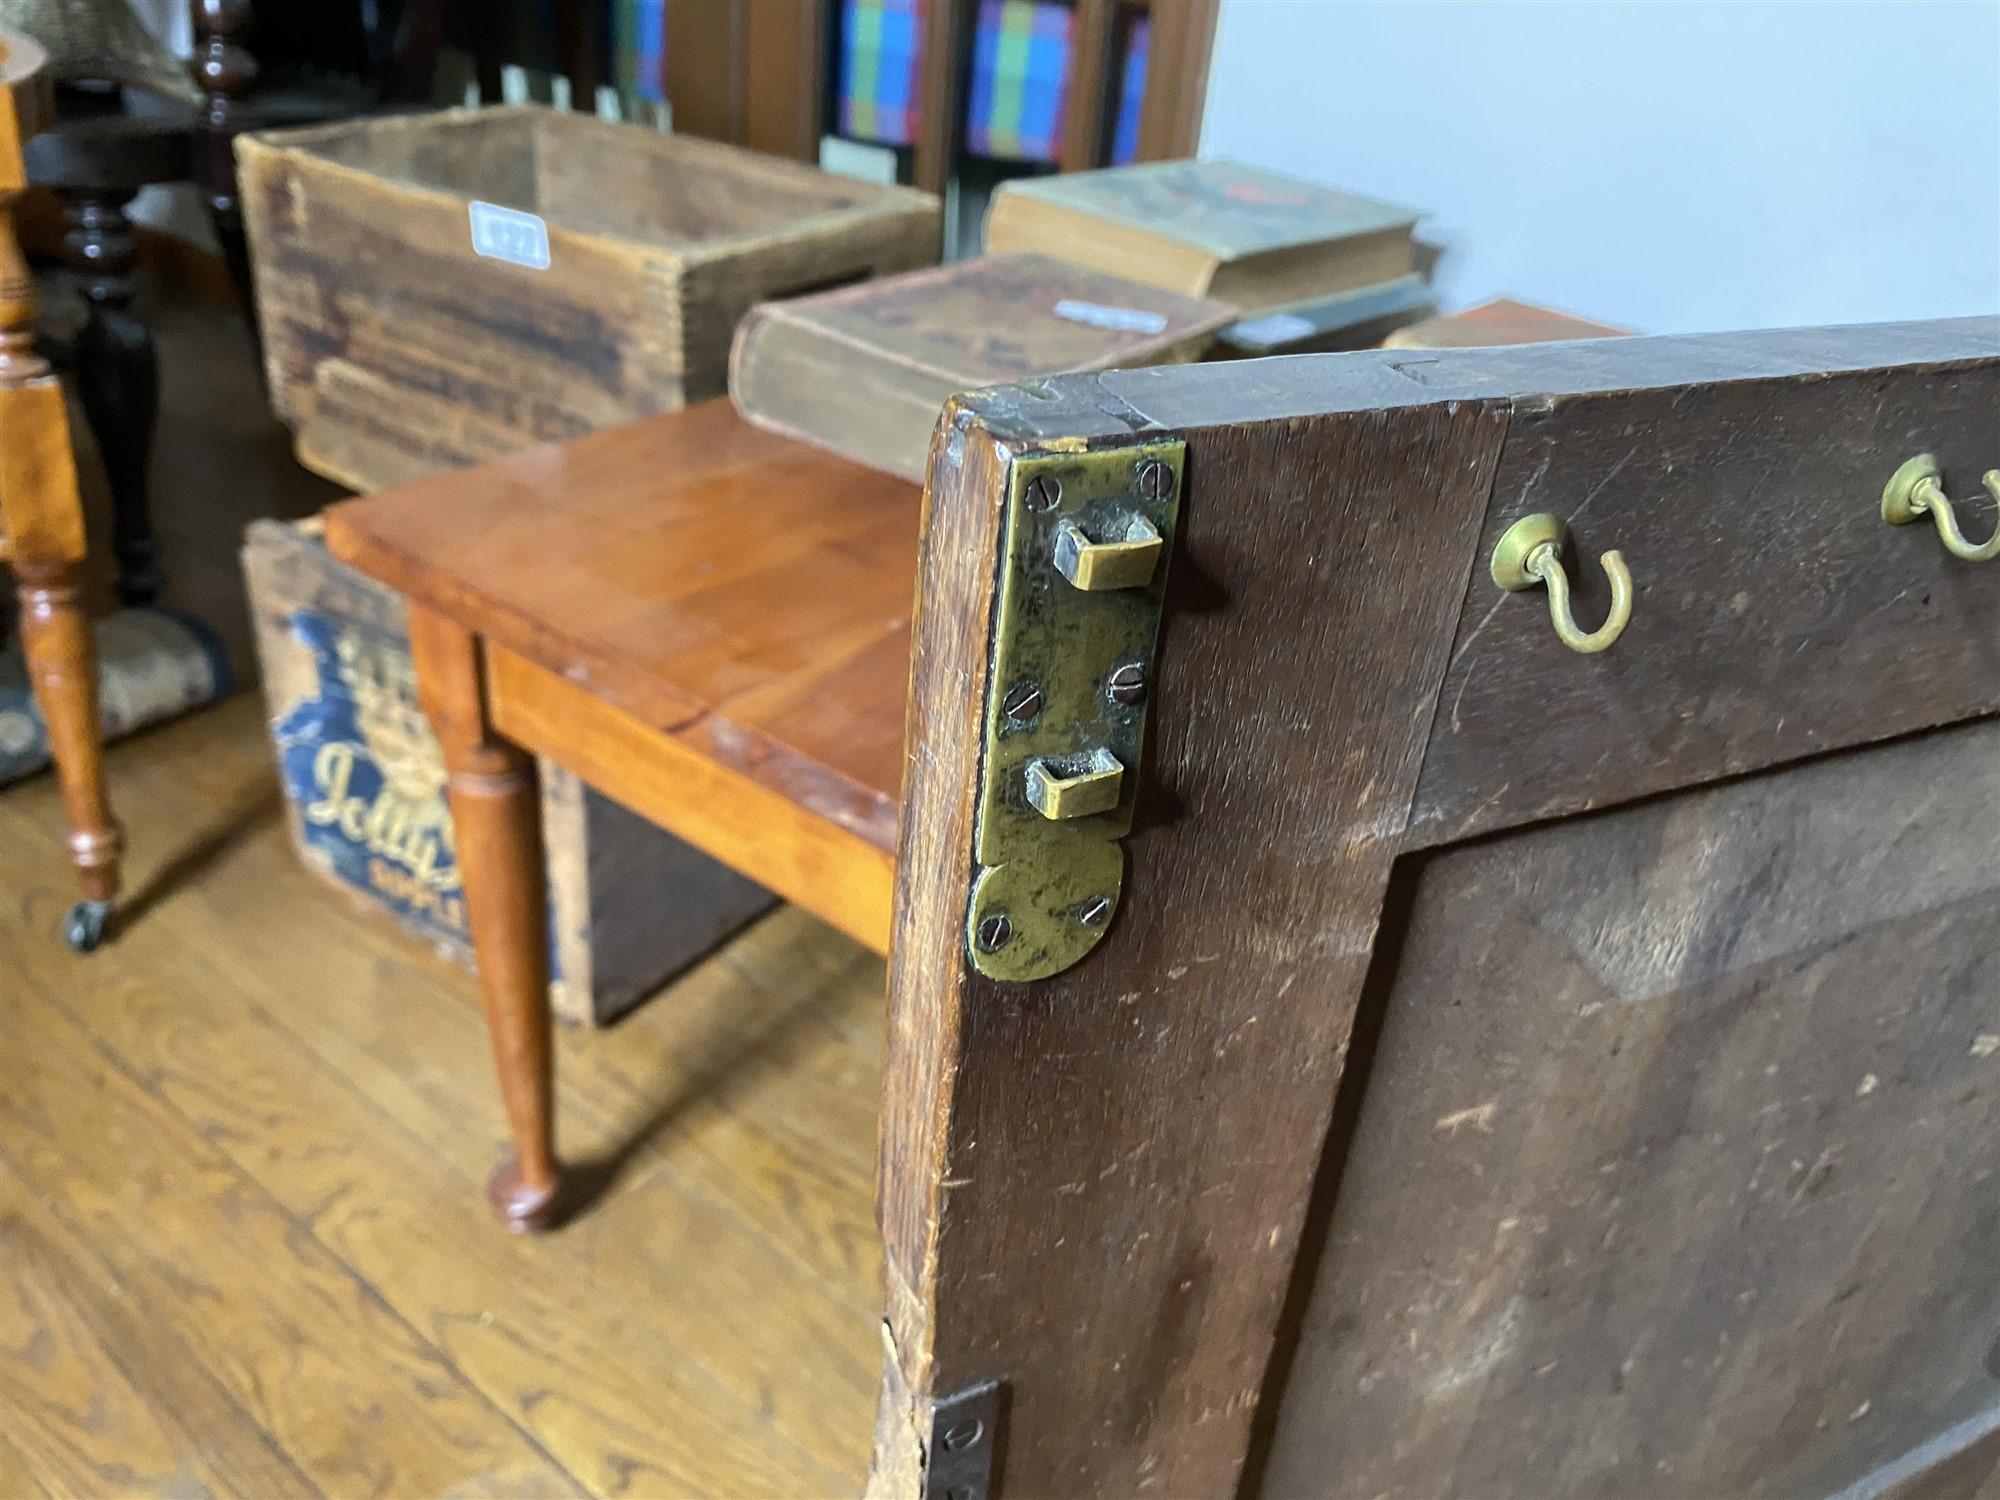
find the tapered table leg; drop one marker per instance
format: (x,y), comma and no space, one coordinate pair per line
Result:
(62,665)
(496,818)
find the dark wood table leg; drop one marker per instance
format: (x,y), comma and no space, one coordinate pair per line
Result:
(224,71)
(117,377)
(62,665)
(496,819)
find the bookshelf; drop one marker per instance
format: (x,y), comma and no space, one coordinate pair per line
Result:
(769,74)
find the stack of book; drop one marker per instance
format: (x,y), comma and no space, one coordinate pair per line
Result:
(864,370)
(1310,267)
(1149,264)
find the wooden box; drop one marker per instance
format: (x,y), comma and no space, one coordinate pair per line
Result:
(444,288)
(630,904)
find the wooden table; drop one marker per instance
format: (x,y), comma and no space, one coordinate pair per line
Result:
(1456,1063)
(706,623)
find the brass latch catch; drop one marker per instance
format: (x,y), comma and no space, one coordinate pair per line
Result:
(1088,538)
(1075,792)
(1124,562)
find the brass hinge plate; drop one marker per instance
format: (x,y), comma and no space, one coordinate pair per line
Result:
(1066,700)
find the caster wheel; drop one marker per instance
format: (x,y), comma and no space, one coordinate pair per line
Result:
(86,925)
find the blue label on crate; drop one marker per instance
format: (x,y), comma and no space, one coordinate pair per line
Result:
(510,235)
(368,779)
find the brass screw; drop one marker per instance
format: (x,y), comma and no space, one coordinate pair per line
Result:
(1096,911)
(1127,685)
(1023,702)
(1045,493)
(964,1435)
(1156,480)
(995,933)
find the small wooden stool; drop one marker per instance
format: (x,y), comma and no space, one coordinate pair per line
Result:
(41,524)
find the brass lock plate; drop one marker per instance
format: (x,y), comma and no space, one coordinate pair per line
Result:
(1066,704)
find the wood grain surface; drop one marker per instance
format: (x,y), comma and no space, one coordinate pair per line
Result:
(1501,321)
(496,817)
(1777,614)
(831,871)
(41,515)
(1670,1172)
(26,102)
(1125,1152)
(393,349)
(1134,1140)
(1176,78)
(1166,397)
(239,1205)
(742,594)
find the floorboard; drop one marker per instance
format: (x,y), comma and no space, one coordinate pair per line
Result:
(241,1152)
(242,1149)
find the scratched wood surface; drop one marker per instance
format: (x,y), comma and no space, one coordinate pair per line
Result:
(1133,1140)
(1668,1160)
(394,350)
(1125,1152)
(745,594)
(240,1215)
(1776,615)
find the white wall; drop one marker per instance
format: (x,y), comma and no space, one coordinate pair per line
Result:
(1672,167)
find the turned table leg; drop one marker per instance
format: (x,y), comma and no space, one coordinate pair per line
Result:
(62,665)
(496,818)
(41,535)
(224,70)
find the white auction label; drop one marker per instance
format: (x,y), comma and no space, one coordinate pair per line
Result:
(510,235)
(1118,319)
(1273,328)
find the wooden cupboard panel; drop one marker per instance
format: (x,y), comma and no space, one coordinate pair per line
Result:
(1777,615)
(1667,1164)
(1132,1141)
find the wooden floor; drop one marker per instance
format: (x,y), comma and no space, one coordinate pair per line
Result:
(243,1249)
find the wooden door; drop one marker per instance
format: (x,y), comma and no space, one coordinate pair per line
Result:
(1657,1133)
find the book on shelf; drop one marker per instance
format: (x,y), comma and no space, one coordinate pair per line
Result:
(864,370)
(1501,321)
(1207,229)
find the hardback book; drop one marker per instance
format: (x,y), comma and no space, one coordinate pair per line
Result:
(1359,319)
(1501,321)
(864,370)
(1207,229)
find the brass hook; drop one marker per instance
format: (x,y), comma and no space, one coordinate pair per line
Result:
(1914,491)
(1530,552)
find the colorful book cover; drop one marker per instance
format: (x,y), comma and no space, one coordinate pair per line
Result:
(1222,207)
(639,48)
(1131,92)
(1020,79)
(881,56)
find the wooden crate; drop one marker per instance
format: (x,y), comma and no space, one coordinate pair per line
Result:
(630,905)
(444,288)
